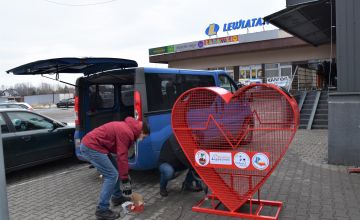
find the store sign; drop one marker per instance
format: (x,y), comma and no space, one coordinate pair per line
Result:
(186,46)
(282,81)
(213,29)
(194,45)
(162,50)
(246,82)
(218,41)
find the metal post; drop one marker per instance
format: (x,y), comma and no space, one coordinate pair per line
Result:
(4,211)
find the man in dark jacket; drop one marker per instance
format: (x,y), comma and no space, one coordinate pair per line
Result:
(98,145)
(172,162)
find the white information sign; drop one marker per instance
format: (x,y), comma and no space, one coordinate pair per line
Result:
(281,81)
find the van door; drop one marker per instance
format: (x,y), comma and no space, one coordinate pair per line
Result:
(162,90)
(109,97)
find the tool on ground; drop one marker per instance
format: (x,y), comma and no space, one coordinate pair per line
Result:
(135,205)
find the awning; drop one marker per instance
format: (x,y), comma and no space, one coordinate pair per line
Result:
(309,21)
(85,66)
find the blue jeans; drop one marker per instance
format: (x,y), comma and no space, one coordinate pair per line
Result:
(167,173)
(107,166)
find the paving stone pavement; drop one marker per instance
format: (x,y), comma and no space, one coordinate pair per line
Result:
(308,186)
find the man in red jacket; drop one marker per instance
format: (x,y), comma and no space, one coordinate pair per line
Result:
(98,145)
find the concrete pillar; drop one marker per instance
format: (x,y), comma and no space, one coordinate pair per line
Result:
(344,105)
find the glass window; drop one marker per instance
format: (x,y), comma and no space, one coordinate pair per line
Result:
(253,73)
(106,93)
(278,69)
(286,71)
(244,72)
(26,121)
(15,106)
(192,81)
(163,89)
(160,91)
(101,96)
(4,127)
(127,95)
(272,70)
(271,73)
(271,66)
(226,83)
(230,70)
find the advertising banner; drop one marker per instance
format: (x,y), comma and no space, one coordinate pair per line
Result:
(219,41)
(232,159)
(249,81)
(162,50)
(281,81)
(186,46)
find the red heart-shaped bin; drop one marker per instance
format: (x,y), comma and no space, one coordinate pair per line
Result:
(235,141)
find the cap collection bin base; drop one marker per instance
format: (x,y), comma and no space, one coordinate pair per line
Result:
(252,214)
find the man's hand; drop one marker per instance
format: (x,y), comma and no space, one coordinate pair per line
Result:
(126,187)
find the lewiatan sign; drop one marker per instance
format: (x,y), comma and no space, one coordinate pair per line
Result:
(213,29)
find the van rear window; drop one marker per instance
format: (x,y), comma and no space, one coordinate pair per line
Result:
(127,95)
(163,89)
(101,96)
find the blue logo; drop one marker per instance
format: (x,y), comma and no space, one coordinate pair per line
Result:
(212,29)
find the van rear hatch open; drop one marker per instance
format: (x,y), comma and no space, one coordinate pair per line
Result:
(116,91)
(85,66)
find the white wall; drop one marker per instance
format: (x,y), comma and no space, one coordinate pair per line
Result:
(46,99)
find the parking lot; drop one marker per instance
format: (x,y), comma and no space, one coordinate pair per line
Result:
(308,186)
(61,114)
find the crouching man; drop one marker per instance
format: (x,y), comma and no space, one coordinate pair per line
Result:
(98,145)
(172,162)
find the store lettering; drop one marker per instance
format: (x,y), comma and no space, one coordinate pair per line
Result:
(241,24)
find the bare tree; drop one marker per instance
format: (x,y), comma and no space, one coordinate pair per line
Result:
(24,89)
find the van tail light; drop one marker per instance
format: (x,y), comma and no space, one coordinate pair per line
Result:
(76,109)
(137,106)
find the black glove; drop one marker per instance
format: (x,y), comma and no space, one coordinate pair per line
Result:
(126,187)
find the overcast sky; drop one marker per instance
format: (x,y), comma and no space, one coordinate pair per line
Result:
(41,29)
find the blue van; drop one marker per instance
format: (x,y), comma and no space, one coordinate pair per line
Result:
(112,89)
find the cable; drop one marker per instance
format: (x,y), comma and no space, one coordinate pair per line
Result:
(79,5)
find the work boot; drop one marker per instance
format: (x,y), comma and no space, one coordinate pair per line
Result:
(163,192)
(120,200)
(106,214)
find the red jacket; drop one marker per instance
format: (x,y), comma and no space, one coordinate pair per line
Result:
(115,137)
